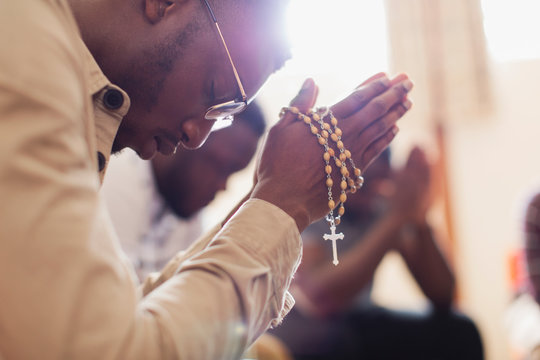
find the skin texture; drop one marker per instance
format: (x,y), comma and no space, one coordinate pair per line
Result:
(168,56)
(403,227)
(189,180)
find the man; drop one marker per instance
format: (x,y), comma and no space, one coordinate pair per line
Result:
(67,290)
(155,205)
(337,318)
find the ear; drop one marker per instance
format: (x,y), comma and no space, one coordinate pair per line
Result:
(155,10)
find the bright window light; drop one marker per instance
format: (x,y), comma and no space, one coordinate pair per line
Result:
(345,38)
(512,29)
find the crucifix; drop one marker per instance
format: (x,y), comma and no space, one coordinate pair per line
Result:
(334,237)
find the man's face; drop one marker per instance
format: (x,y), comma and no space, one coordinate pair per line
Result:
(190,179)
(170,102)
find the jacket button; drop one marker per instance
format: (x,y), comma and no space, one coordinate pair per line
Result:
(101,161)
(113,99)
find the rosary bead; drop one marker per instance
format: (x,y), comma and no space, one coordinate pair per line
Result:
(331,152)
(344,171)
(351,183)
(306,119)
(340,144)
(343,197)
(331,204)
(360,181)
(357,172)
(338,163)
(322,141)
(334,137)
(337,221)
(341,211)
(353,189)
(326,156)
(326,126)
(314,130)
(328,169)
(342,157)
(324,133)
(348,154)
(333,120)
(329,182)
(343,185)
(294,110)
(316,117)
(338,132)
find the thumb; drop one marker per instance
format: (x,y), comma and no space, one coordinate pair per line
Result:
(307,96)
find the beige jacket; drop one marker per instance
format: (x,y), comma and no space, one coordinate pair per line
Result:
(66,290)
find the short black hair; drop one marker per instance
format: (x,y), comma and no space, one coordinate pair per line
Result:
(253,117)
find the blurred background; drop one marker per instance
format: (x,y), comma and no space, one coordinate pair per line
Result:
(476,69)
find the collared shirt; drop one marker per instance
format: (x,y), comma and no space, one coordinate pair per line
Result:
(66,289)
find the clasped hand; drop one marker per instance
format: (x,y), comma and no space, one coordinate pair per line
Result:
(290,172)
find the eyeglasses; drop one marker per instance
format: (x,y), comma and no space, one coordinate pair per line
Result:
(226,110)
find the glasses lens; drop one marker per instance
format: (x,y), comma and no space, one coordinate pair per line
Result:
(224,110)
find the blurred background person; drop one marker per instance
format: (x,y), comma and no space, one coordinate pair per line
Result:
(523,315)
(155,205)
(335,317)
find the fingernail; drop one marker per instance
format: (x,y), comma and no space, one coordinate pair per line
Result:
(385,81)
(407,104)
(408,85)
(307,84)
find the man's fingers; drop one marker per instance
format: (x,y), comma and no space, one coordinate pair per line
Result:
(381,105)
(377,147)
(304,101)
(306,97)
(373,78)
(360,97)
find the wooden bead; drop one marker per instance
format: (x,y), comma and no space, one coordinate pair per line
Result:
(342,157)
(334,137)
(314,130)
(334,120)
(324,133)
(342,197)
(329,182)
(353,189)
(322,141)
(340,144)
(307,119)
(351,183)
(348,154)
(331,152)
(316,117)
(294,110)
(326,126)
(328,169)
(343,185)
(326,156)
(344,171)
(357,172)
(341,211)
(337,221)
(338,163)
(331,204)
(338,132)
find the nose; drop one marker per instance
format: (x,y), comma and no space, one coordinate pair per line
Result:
(195,132)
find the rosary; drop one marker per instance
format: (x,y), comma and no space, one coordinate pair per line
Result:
(325,131)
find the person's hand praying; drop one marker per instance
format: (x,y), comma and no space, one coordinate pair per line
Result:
(290,171)
(411,197)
